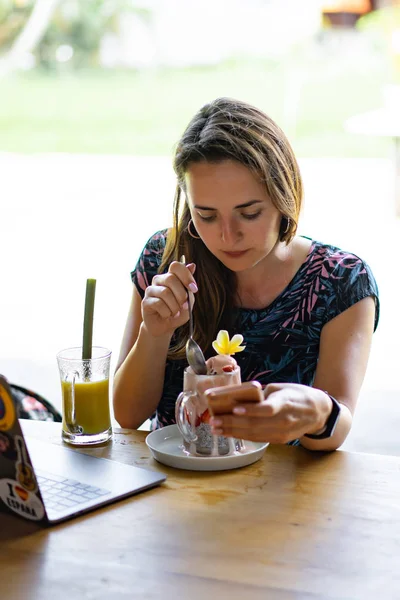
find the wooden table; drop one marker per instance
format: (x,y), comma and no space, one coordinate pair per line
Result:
(295,524)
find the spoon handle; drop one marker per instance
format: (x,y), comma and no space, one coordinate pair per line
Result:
(190,317)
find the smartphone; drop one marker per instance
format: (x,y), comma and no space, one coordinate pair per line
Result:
(223,399)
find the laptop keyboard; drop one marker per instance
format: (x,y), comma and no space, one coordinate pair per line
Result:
(60,493)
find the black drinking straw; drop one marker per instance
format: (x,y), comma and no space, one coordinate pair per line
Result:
(88,319)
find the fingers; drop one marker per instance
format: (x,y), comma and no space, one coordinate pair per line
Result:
(277,387)
(255,421)
(169,293)
(248,410)
(267,408)
(283,416)
(166,295)
(243,428)
(244,419)
(253,411)
(165,308)
(185,274)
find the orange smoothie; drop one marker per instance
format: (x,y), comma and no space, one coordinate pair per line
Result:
(92,409)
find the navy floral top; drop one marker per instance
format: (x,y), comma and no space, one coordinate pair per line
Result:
(282,340)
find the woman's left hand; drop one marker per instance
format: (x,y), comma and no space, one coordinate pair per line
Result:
(288,411)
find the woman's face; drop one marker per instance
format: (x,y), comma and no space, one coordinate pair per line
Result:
(232,213)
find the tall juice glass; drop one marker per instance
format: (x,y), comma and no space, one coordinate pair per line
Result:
(85,396)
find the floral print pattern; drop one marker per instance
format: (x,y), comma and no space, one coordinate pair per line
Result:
(282,340)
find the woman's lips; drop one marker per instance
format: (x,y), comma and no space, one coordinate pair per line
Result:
(235,254)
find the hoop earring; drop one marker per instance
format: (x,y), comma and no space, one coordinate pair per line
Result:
(196,237)
(287,225)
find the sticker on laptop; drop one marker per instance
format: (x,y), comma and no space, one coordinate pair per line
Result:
(20,500)
(7,447)
(7,410)
(24,472)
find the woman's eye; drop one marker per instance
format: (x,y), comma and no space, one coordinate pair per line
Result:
(206,218)
(251,216)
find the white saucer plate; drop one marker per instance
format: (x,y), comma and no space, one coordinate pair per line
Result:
(166,445)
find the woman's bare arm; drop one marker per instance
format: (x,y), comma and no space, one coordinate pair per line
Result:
(290,409)
(139,376)
(344,351)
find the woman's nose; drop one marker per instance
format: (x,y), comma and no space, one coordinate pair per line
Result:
(229,231)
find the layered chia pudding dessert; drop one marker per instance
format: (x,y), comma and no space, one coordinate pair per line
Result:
(192,414)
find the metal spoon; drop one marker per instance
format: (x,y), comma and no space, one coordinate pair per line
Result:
(194,354)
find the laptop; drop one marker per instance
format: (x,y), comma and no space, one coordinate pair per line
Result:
(48,484)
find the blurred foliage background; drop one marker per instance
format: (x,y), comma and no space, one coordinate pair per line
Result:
(124,77)
(95,93)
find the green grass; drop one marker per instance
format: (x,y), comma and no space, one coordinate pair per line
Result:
(145,113)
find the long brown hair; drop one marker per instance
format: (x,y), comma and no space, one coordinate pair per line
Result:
(227,129)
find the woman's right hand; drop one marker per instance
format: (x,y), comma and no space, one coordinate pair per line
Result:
(165,302)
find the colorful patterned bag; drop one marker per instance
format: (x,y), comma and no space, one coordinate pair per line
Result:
(31,405)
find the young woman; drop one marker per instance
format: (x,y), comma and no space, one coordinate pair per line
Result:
(306,310)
